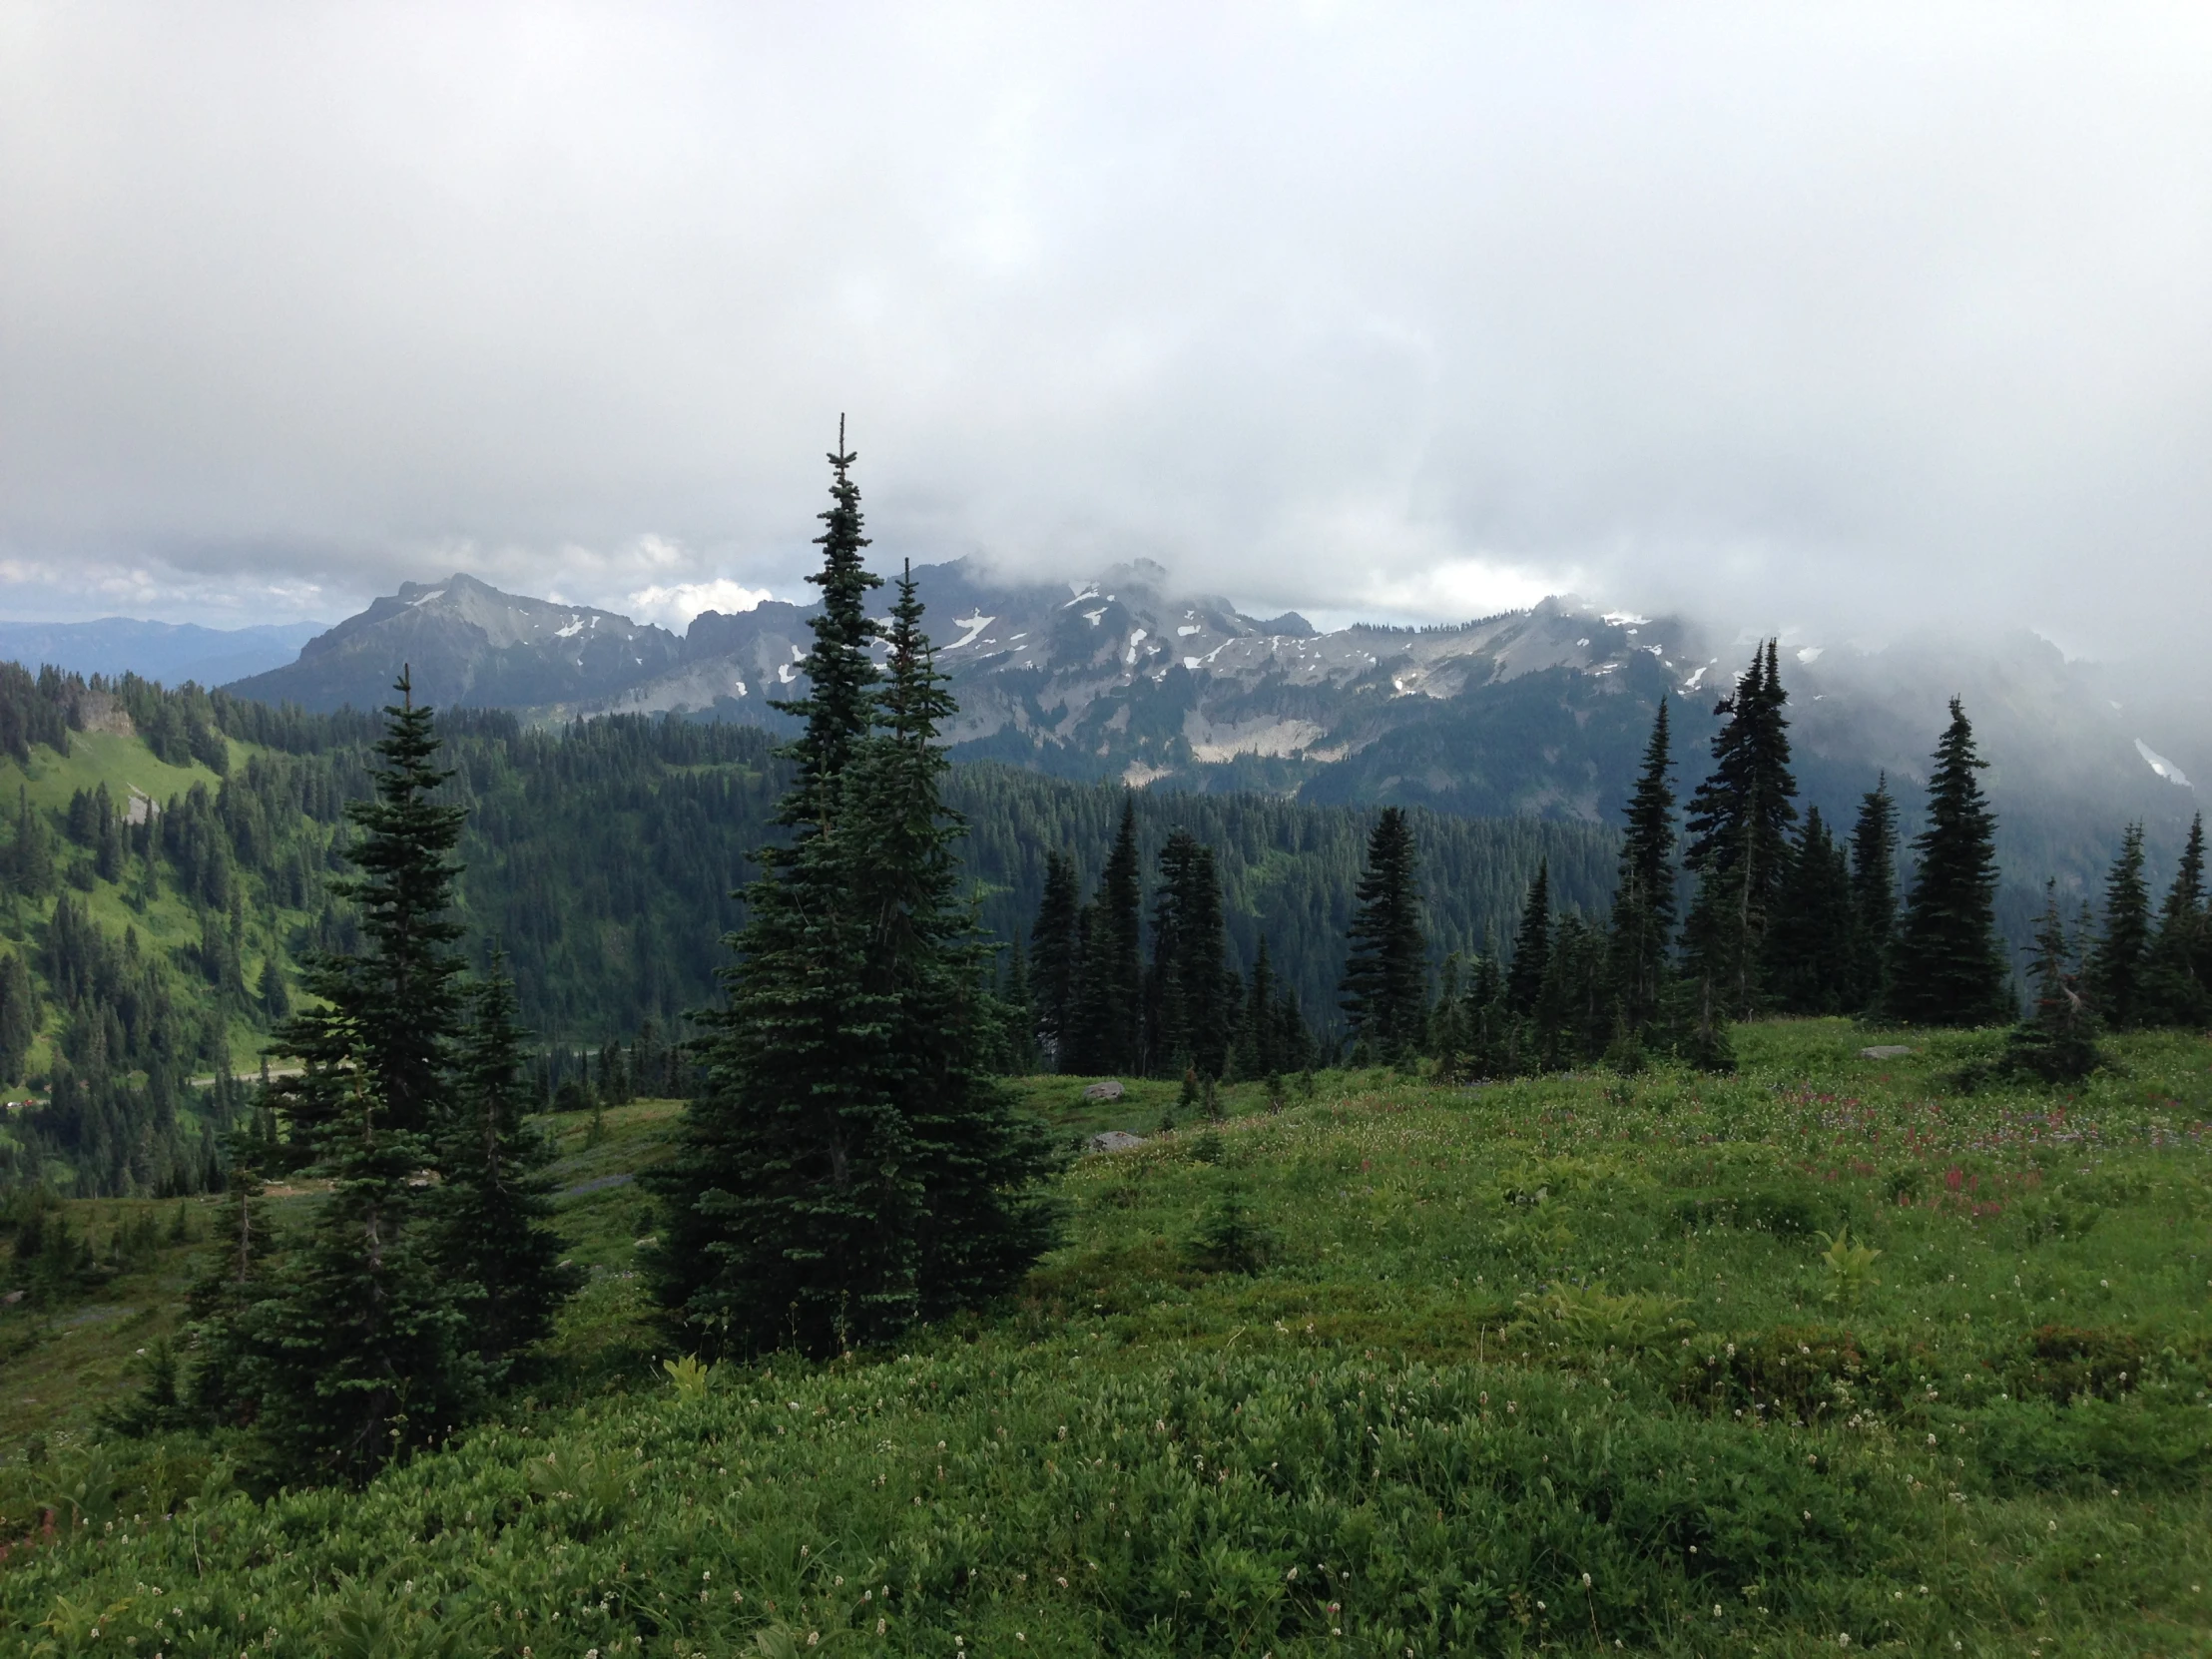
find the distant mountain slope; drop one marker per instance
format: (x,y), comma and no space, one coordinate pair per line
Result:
(468,645)
(1542,712)
(167,652)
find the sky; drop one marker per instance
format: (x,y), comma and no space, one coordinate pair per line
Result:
(1840,319)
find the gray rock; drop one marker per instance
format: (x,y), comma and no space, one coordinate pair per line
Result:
(1886,1052)
(1115,1140)
(1108,1090)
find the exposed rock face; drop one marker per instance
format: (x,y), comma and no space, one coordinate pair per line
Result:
(468,645)
(1108,1090)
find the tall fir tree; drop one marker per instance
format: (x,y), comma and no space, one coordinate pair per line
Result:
(1811,942)
(223,1302)
(1192,1011)
(1384,989)
(1644,898)
(1111,1017)
(984,1217)
(2058,1040)
(1873,893)
(360,1351)
(495,1207)
(2113,974)
(793,1199)
(2177,977)
(1531,964)
(1946,968)
(1739,830)
(1055,965)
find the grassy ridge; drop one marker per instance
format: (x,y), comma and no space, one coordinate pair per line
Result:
(1391,1370)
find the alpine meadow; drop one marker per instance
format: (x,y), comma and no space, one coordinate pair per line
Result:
(459,1209)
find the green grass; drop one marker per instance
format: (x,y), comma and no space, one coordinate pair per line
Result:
(1496,1340)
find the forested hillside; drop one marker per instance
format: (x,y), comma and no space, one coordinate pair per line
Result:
(166,853)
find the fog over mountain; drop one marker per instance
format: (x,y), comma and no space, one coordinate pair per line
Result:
(1854,321)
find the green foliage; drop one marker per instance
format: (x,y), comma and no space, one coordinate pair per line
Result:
(1944,965)
(690,1376)
(850,1167)
(1490,1354)
(2057,1041)
(1738,839)
(1386,979)
(1850,1270)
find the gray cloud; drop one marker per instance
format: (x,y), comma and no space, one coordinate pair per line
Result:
(1827,317)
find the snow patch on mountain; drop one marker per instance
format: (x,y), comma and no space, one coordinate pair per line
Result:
(2161,765)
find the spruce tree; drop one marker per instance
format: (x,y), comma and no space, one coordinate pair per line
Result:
(222,1302)
(1946,968)
(19,1019)
(1873,893)
(983,1218)
(1644,898)
(1113,961)
(1811,940)
(1055,972)
(1192,1013)
(359,1355)
(794,1196)
(1384,989)
(2113,974)
(1524,978)
(2177,977)
(403,1003)
(1739,824)
(2057,1042)
(495,1207)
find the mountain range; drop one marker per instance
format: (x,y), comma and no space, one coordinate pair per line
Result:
(1542,712)
(170,652)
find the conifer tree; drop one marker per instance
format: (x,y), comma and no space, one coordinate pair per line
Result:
(1386,979)
(850,1165)
(983,1218)
(1946,968)
(2177,977)
(1811,940)
(404,1004)
(1256,1053)
(495,1207)
(2057,1042)
(1113,965)
(1192,1013)
(359,1355)
(223,1299)
(1739,823)
(1055,965)
(794,1196)
(1644,900)
(18,1018)
(2113,974)
(1524,978)
(1873,895)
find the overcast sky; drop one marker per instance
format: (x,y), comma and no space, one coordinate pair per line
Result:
(1787,315)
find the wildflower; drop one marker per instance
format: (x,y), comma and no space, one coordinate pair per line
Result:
(879,1627)
(1585,1582)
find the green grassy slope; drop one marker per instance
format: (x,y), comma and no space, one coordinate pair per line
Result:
(1565,1363)
(164,919)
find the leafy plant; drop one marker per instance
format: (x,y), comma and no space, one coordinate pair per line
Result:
(1850,1269)
(691,1377)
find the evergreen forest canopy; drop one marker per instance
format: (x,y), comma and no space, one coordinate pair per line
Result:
(169,853)
(164,857)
